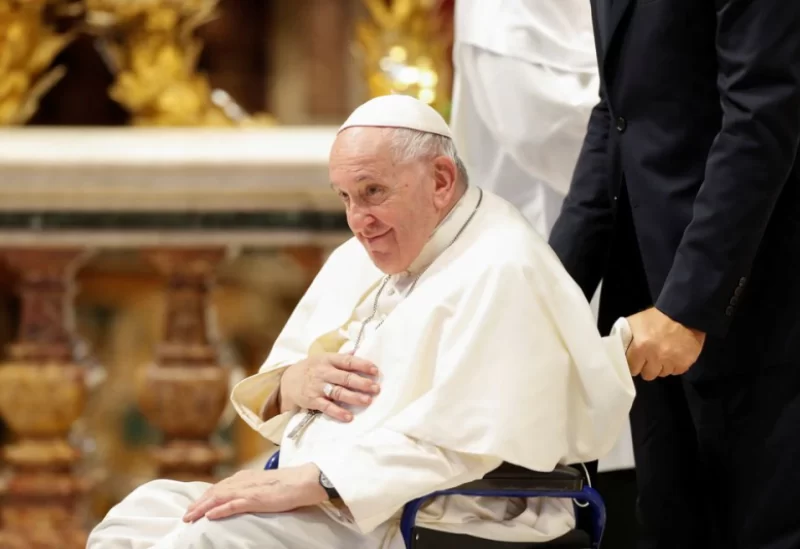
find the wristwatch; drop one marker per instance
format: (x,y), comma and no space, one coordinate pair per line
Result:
(328,486)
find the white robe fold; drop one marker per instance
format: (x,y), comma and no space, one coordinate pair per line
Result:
(525,83)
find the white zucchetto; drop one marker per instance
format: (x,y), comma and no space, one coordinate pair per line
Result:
(398,111)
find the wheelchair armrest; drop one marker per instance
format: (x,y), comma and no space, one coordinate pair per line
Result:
(511,481)
(516,478)
(273,461)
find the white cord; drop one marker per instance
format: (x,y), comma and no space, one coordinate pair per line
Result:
(584,505)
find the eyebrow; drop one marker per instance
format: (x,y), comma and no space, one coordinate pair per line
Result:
(359,179)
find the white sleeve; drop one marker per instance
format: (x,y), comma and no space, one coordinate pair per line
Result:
(384,470)
(250,394)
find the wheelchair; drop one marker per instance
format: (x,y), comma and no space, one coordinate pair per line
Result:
(513,482)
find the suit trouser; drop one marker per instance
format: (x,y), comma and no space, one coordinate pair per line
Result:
(717,461)
(719,465)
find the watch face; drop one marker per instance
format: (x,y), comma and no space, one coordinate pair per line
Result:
(324,481)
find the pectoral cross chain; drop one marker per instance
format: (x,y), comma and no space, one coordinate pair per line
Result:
(311,415)
(295,433)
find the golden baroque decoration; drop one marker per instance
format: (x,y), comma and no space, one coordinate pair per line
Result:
(403,50)
(29,42)
(151,46)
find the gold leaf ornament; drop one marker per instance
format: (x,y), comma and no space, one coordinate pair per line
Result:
(154,53)
(403,51)
(28,45)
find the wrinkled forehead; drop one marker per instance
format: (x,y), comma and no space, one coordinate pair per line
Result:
(359,154)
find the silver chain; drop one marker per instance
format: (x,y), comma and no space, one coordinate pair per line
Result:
(371,316)
(311,415)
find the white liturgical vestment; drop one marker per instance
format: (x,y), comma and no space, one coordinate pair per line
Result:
(491,356)
(525,82)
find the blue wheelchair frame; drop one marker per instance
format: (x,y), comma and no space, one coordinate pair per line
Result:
(528,486)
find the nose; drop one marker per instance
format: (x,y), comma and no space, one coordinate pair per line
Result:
(358,218)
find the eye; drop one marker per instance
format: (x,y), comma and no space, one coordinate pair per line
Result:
(373,192)
(343,196)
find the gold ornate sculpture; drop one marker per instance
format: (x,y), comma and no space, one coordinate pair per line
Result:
(28,45)
(404,51)
(151,47)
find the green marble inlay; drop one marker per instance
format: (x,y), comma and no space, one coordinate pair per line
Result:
(174,221)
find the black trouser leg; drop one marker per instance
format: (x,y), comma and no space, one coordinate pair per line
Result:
(753,424)
(669,505)
(618,489)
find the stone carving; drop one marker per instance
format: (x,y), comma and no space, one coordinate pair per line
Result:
(185,391)
(42,394)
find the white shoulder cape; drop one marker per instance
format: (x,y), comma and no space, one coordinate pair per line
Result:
(494,353)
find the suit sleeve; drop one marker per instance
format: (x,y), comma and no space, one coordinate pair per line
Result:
(758,51)
(385,469)
(582,234)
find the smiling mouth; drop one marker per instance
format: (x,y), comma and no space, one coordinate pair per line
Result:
(376,237)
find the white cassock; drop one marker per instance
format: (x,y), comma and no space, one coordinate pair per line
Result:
(525,83)
(493,356)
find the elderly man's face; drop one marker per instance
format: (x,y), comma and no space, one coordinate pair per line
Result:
(391,208)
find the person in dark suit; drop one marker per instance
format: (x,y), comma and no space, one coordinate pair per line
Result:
(686,203)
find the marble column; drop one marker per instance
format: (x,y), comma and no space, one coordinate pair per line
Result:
(42,394)
(185,391)
(309,258)
(326,30)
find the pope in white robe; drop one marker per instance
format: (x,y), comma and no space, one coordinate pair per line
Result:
(442,340)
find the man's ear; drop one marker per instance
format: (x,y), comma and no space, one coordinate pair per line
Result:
(445,177)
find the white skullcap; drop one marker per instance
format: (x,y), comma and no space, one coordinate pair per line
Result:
(398,111)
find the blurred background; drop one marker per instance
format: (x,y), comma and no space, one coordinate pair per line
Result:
(164,203)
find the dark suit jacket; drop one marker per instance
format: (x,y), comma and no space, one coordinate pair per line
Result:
(689,169)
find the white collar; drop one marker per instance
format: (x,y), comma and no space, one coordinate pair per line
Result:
(446,231)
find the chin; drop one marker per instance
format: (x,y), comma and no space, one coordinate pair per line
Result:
(386,267)
(387,263)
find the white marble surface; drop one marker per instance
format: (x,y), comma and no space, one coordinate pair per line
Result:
(118,169)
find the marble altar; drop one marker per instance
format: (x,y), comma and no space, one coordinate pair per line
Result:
(235,187)
(216,231)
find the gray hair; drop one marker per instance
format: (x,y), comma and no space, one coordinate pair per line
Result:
(407,145)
